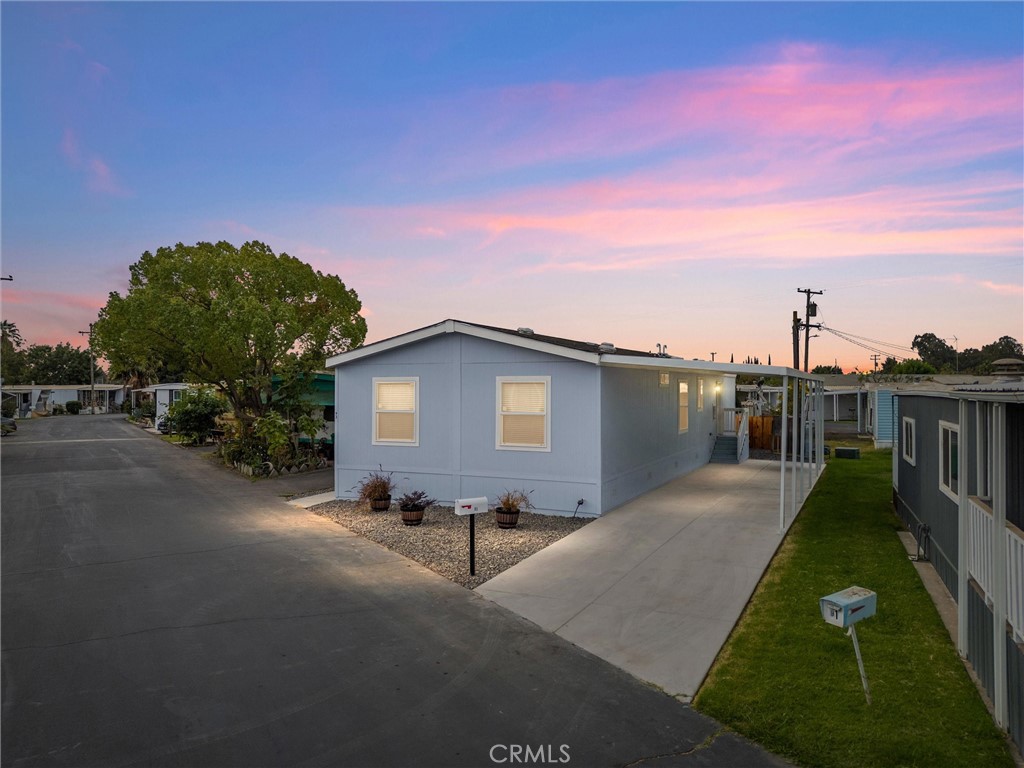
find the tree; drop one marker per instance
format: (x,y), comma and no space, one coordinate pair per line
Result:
(827,369)
(10,335)
(12,361)
(62,364)
(195,414)
(912,367)
(934,351)
(1006,346)
(228,317)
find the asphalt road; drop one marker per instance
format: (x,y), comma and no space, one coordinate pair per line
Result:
(159,610)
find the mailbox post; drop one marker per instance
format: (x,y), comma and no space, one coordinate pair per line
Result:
(471,507)
(845,609)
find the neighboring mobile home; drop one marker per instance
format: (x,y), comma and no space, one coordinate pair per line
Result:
(958,477)
(465,410)
(39,399)
(163,395)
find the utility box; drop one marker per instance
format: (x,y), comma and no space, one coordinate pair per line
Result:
(847,453)
(471,506)
(846,608)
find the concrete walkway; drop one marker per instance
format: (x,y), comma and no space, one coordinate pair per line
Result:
(656,586)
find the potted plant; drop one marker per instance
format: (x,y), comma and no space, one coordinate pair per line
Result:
(412,505)
(376,488)
(510,503)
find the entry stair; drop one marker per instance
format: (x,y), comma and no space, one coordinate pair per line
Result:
(725,450)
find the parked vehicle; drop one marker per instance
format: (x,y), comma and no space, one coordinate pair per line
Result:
(7,425)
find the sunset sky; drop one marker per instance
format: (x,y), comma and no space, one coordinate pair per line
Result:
(635,173)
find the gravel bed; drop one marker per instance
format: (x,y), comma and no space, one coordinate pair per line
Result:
(441,541)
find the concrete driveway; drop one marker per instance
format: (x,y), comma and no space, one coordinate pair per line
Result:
(158,610)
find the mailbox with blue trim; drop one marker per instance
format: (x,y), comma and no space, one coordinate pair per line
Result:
(846,608)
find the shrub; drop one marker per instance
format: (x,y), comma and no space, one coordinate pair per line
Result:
(58,409)
(376,485)
(195,414)
(73,407)
(275,433)
(8,407)
(147,409)
(415,500)
(515,500)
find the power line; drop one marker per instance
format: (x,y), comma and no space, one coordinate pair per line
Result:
(877,341)
(861,344)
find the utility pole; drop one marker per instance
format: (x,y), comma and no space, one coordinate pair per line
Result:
(874,359)
(810,311)
(796,340)
(713,356)
(92,373)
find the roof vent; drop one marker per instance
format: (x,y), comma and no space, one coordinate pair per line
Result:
(1008,369)
(525,331)
(606,348)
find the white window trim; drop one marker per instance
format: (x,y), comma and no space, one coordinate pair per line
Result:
(909,452)
(955,429)
(700,395)
(546,448)
(683,431)
(415,380)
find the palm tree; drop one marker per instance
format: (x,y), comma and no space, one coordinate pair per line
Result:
(9,334)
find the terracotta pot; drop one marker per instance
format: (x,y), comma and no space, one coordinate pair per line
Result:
(412,515)
(506,518)
(380,505)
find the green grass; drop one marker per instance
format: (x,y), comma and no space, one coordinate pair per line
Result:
(788,681)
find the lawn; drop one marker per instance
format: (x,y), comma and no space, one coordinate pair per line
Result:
(787,680)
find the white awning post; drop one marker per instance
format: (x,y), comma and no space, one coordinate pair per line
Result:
(796,442)
(784,429)
(998,543)
(963,544)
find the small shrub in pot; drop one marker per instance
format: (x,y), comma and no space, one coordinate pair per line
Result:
(412,505)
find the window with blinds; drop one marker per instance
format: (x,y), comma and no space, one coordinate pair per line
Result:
(395,412)
(523,411)
(684,406)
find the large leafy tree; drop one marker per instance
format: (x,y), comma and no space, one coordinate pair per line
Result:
(229,317)
(934,351)
(60,364)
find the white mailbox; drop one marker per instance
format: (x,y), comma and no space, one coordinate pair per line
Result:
(471,506)
(846,608)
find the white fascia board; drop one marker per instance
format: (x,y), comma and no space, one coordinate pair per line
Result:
(993,397)
(726,369)
(395,341)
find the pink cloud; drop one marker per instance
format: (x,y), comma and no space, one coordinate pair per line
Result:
(799,94)
(51,317)
(98,175)
(1003,289)
(53,298)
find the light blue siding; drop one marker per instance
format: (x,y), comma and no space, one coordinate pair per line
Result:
(457,456)
(614,431)
(885,417)
(641,446)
